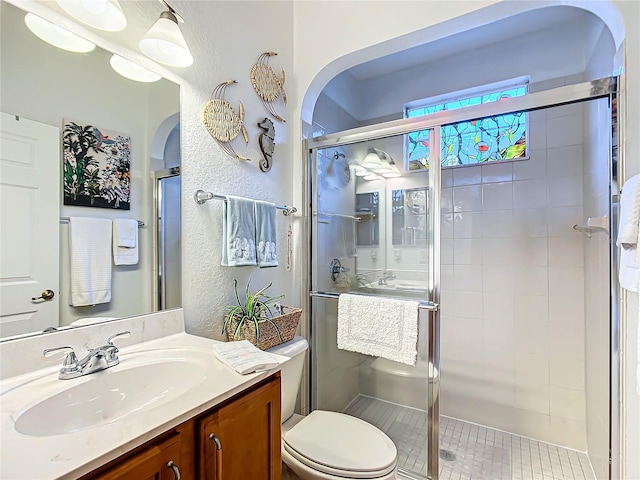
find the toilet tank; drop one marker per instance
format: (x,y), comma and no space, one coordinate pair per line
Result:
(291,372)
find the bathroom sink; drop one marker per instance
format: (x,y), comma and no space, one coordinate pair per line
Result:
(401,288)
(139,383)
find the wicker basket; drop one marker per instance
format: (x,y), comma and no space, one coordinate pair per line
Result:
(287,324)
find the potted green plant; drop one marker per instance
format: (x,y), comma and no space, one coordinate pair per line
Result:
(260,318)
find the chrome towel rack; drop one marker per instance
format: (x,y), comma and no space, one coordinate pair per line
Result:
(422,304)
(66,220)
(201,197)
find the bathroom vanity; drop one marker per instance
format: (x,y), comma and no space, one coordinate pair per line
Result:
(170,409)
(238,439)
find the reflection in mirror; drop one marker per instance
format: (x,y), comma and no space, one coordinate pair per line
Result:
(367,228)
(43,87)
(409,216)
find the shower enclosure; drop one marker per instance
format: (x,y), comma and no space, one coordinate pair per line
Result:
(389,219)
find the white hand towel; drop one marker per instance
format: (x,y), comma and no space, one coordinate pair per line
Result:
(244,357)
(238,232)
(628,272)
(90,258)
(125,241)
(267,251)
(378,326)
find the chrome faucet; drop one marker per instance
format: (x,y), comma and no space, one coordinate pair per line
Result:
(97,359)
(386,276)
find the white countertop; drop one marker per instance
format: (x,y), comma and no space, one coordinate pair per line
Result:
(70,456)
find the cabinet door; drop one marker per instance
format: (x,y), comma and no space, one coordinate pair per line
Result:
(153,463)
(248,430)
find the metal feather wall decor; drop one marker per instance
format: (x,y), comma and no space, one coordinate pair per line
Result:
(222,121)
(267,84)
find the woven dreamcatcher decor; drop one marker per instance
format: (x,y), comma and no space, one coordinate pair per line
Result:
(267,84)
(222,121)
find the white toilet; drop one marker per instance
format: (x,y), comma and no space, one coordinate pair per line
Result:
(328,445)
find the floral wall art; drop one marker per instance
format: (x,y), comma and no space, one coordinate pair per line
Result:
(96,167)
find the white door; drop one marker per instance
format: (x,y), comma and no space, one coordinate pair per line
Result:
(29,224)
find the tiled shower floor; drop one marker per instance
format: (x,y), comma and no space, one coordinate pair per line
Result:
(481,453)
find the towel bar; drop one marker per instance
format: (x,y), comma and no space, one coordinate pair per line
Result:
(66,220)
(201,197)
(422,304)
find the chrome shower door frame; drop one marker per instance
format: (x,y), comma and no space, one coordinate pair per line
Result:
(601,88)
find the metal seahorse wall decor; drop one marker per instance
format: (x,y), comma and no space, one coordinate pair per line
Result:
(267,143)
(267,84)
(222,121)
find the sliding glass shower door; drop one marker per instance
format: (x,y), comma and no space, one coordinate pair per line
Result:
(375,232)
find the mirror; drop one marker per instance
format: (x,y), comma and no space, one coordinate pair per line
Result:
(409,216)
(367,213)
(51,87)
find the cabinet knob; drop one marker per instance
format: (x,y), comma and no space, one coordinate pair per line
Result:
(175,469)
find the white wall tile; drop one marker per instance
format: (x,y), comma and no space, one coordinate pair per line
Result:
(468,277)
(467,198)
(530,193)
(532,338)
(567,281)
(447,304)
(533,398)
(564,191)
(446,177)
(566,311)
(569,433)
(530,280)
(497,196)
(467,225)
(467,175)
(467,251)
(565,161)
(532,369)
(567,373)
(531,309)
(497,306)
(468,332)
(497,172)
(498,279)
(446,277)
(446,251)
(530,222)
(530,251)
(498,251)
(566,251)
(498,335)
(497,224)
(446,200)
(561,219)
(564,131)
(468,304)
(567,343)
(446,225)
(534,167)
(538,133)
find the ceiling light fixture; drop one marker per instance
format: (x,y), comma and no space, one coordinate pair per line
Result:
(101,14)
(132,70)
(371,176)
(57,36)
(371,161)
(164,42)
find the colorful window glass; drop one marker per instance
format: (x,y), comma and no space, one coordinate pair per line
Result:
(500,137)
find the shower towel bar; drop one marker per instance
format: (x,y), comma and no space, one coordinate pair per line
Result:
(201,197)
(423,305)
(325,214)
(66,220)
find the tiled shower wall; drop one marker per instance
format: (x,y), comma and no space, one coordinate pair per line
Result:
(513,329)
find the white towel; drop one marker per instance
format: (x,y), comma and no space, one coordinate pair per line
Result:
(379,326)
(238,232)
(266,251)
(90,258)
(244,357)
(628,233)
(125,241)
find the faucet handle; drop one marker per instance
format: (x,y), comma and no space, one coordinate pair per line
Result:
(124,334)
(70,362)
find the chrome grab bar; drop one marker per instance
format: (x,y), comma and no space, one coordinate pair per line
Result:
(422,304)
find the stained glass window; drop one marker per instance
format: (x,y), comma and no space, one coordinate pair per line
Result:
(500,137)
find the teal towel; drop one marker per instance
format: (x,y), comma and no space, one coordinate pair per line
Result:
(267,251)
(238,232)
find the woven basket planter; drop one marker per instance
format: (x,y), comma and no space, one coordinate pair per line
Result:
(287,323)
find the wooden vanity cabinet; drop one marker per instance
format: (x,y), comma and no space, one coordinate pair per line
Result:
(245,427)
(241,440)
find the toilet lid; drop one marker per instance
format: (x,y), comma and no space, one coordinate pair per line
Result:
(340,444)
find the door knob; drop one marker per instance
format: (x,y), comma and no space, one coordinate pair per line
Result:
(45,295)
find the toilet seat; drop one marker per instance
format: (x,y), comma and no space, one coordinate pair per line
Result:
(341,445)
